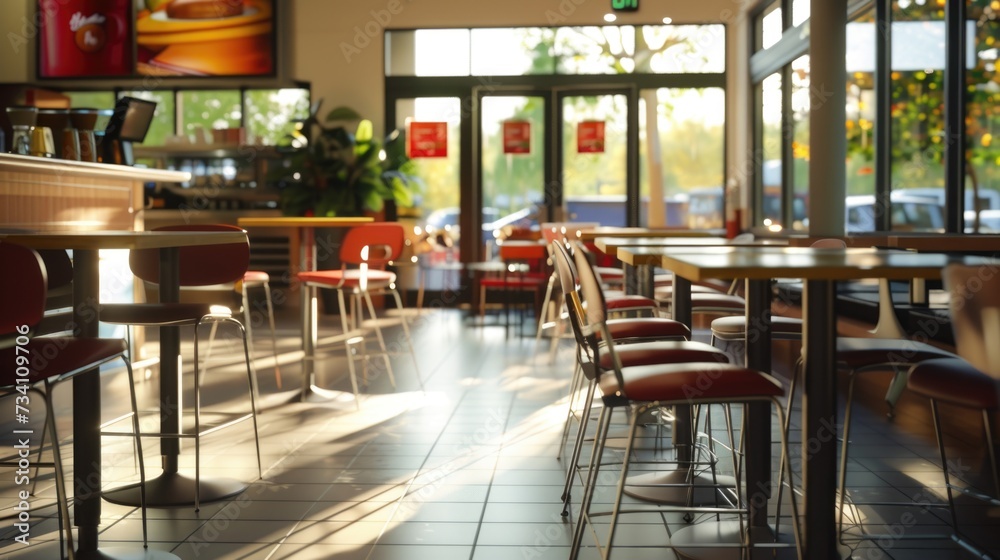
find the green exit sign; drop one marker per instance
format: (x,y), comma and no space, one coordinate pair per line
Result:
(624,5)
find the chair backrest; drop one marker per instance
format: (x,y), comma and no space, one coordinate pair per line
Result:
(587,345)
(22,290)
(590,287)
(829,243)
(200,265)
(566,273)
(375,244)
(975,315)
(596,311)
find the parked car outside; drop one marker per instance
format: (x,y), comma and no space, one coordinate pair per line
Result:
(908,213)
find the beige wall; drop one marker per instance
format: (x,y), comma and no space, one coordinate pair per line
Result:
(18,42)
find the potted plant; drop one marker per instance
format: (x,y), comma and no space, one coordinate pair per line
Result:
(344,174)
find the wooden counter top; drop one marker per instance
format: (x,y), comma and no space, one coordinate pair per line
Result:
(46,194)
(52,166)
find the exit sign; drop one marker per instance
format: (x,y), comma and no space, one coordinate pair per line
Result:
(624,5)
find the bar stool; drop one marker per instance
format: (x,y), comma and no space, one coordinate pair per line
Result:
(642,387)
(260,279)
(971,380)
(205,265)
(640,341)
(36,365)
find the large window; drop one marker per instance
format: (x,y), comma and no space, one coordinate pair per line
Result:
(587,50)
(905,165)
(983,119)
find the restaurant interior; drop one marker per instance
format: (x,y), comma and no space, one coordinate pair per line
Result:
(382,280)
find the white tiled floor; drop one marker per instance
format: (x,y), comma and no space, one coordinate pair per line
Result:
(466,469)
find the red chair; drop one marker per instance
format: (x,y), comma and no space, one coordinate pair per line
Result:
(34,365)
(644,385)
(971,380)
(364,254)
(204,265)
(522,272)
(639,341)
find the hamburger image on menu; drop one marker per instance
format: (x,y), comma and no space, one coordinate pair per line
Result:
(205,37)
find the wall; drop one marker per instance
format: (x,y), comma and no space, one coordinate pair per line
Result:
(18,41)
(337,44)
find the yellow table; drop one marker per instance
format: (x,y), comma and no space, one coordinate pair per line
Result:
(87,388)
(303,231)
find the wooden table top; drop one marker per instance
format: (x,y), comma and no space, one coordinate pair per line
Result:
(301,221)
(947,242)
(763,263)
(610,245)
(92,240)
(607,231)
(871,239)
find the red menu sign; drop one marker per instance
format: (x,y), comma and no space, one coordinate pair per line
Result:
(590,137)
(516,137)
(427,139)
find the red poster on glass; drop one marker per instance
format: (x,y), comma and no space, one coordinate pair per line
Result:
(516,137)
(428,139)
(590,137)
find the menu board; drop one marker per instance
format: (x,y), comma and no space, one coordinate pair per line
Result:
(175,38)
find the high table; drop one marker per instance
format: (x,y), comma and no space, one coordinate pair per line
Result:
(821,269)
(644,262)
(946,242)
(590,234)
(304,236)
(643,255)
(170,485)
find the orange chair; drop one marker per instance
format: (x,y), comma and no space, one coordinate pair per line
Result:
(204,265)
(22,373)
(364,254)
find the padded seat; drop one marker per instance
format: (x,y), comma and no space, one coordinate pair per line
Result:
(646,327)
(256,276)
(617,304)
(161,314)
(735,327)
(62,354)
(663,351)
(954,381)
(686,381)
(349,278)
(861,352)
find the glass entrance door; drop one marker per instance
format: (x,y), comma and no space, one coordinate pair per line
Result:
(597,155)
(554,155)
(512,169)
